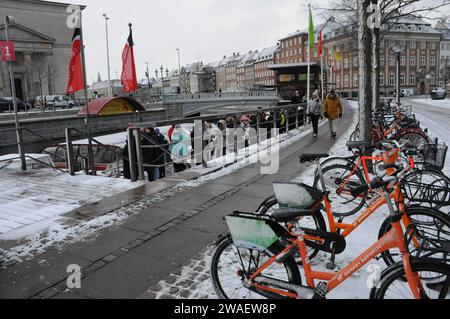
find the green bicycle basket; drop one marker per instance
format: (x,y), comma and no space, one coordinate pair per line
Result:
(251,232)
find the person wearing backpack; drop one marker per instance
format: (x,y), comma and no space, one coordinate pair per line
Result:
(315,112)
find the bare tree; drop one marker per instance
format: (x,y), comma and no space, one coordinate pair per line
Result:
(390,13)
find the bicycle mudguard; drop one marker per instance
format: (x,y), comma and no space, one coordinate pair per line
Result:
(329,239)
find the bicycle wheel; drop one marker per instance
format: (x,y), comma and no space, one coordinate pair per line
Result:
(415,139)
(429,224)
(232,266)
(434,277)
(316,222)
(339,181)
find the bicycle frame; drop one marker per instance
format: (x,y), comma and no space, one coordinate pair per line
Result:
(393,239)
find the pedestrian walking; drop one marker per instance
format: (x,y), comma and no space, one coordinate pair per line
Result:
(315,112)
(333,110)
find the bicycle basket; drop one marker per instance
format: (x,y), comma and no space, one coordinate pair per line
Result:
(251,231)
(433,194)
(435,155)
(406,110)
(294,195)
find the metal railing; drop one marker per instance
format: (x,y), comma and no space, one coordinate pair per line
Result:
(23,156)
(283,118)
(218,95)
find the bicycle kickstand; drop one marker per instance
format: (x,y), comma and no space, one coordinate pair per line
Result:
(331,264)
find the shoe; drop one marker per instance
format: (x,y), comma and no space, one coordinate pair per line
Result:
(315,134)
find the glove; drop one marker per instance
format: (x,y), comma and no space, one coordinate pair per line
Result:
(325,114)
(340,116)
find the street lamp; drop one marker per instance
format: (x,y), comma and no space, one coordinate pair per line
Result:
(147,74)
(179,69)
(398,50)
(110,90)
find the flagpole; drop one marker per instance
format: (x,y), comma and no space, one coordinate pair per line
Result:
(321,75)
(309,58)
(86,100)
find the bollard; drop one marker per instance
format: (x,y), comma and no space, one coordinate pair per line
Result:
(140,159)
(132,155)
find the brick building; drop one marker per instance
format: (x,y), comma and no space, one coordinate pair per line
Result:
(265,77)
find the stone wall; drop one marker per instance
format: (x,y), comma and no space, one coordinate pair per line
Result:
(53,130)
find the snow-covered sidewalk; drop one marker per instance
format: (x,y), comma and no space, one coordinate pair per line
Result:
(31,201)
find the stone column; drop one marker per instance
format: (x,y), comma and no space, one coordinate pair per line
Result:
(50,73)
(29,87)
(4,74)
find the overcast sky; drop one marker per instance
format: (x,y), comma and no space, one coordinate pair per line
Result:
(204,30)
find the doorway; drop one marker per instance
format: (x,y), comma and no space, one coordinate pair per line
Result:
(19,88)
(422,88)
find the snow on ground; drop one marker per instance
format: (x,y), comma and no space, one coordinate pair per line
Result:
(30,201)
(437,103)
(49,194)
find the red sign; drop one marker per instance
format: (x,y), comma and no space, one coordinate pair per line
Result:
(7,50)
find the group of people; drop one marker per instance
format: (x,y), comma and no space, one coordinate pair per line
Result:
(331,109)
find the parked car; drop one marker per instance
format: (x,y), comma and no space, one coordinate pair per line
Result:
(6,105)
(394,94)
(54,101)
(438,94)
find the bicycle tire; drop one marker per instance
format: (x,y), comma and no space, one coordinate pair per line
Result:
(395,276)
(290,266)
(437,217)
(319,221)
(346,170)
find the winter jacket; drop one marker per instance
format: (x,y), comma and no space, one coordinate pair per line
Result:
(315,107)
(333,107)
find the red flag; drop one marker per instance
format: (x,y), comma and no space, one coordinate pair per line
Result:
(320,44)
(75,81)
(129,78)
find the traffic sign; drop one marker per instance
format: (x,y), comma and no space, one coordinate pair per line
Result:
(7,51)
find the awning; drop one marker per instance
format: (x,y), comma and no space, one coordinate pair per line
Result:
(112,106)
(294,68)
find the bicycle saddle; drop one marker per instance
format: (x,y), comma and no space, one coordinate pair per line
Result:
(284,215)
(357,144)
(312,157)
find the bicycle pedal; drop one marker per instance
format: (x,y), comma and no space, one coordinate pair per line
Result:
(331,266)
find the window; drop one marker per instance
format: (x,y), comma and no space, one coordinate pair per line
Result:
(382,60)
(423,45)
(412,79)
(412,44)
(346,80)
(355,61)
(432,61)
(412,61)
(423,61)
(402,79)
(391,79)
(355,79)
(381,79)
(391,60)
(338,80)
(433,45)
(403,60)
(346,64)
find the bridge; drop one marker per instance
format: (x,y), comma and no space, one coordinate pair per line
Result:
(188,105)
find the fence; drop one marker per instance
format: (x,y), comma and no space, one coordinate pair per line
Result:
(284,119)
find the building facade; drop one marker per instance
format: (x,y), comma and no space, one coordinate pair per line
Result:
(43,48)
(265,77)
(419,63)
(444,61)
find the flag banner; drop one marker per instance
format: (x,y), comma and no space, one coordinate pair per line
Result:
(75,80)
(129,78)
(337,56)
(312,37)
(320,44)
(7,51)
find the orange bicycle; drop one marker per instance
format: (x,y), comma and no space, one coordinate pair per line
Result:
(257,258)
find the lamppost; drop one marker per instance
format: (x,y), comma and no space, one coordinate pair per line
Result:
(147,74)
(9,20)
(398,50)
(179,69)
(162,80)
(110,89)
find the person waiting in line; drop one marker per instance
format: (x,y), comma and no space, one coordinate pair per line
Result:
(333,110)
(165,148)
(315,112)
(152,155)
